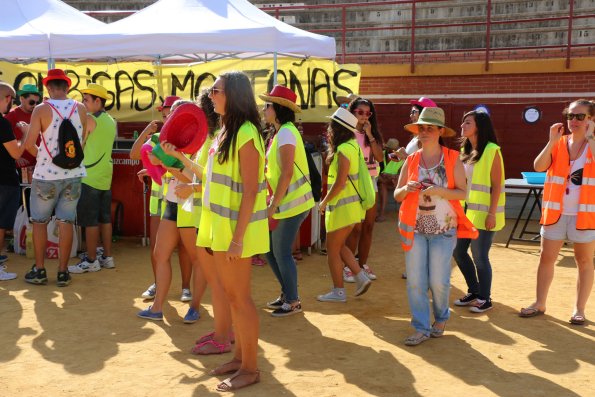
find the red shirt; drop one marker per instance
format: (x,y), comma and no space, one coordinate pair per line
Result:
(14,116)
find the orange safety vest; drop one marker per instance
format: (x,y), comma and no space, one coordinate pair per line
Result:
(409,206)
(555,187)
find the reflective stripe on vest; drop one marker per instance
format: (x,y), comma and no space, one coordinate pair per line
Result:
(555,188)
(234,186)
(298,197)
(342,202)
(484,208)
(233,215)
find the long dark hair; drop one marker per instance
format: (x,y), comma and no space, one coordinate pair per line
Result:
(338,134)
(283,114)
(485,134)
(240,107)
(204,102)
(373,122)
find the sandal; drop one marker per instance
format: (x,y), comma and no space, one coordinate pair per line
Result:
(210,336)
(416,339)
(297,255)
(437,332)
(228,368)
(577,319)
(527,312)
(211,347)
(234,383)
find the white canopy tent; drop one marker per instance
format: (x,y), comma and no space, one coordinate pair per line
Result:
(26,27)
(196,29)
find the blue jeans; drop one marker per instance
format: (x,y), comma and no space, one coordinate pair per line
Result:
(60,196)
(428,267)
(478,275)
(280,258)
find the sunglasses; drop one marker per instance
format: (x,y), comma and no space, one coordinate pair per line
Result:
(578,116)
(267,105)
(414,111)
(33,102)
(360,112)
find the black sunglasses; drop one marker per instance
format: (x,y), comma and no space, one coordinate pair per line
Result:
(578,116)
(33,102)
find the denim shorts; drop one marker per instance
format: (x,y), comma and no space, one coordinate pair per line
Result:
(9,205)
(94,207)
(59,196)
(565,229)
(171,211)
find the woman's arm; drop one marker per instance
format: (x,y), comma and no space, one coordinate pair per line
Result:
(340,181)
(149,130)
(287,156)
(249,167)
(404,187)
(496,181)
(190,167)
(544,159)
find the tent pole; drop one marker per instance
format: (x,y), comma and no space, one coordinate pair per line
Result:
(51,63)
(274,68)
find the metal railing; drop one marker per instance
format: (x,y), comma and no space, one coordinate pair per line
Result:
(415,25)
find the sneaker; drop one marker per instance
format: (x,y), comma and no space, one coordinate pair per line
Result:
(149,315)
(369,272)
(36,276)
(277,303)
(333,296)
(287,309)
(64,279)
(150,292)
(481,306)
(5,276)
(347,275)
(186,295)
(106,262)
(466,300)
(85,266)
(363,283)
(192,316)
(3,258)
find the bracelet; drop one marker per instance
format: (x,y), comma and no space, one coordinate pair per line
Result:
(238,244)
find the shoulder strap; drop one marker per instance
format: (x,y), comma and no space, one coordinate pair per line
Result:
(360,157)
(62,117)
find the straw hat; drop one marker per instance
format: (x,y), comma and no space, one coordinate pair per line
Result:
(431,116)
(56,74)
(392,144)
(341,100)
(282,96)
(345,118)
(97,90)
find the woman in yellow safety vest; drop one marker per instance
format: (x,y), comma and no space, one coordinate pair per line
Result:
(484,169)
(431,183)
(289,181)
(568,209)
(234,216)
(341,206)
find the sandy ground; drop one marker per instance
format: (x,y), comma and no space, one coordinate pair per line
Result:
(85,340)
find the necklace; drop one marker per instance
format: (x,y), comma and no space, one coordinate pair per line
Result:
(571,162)
(430,173)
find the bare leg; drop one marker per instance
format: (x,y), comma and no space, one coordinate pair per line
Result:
(335,242)
(185,265)
(40,238)
(583,255)
(167,239)
(92,239)
(199,283)
(154,226)
(64,244)
(365,240)
(545,271)
(106,238)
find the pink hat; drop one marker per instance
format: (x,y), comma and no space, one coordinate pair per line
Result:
(424,102)
(169,100)
(186,128)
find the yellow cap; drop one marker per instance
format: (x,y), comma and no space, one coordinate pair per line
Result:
(97,90)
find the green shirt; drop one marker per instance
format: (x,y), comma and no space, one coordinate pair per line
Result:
(98,153)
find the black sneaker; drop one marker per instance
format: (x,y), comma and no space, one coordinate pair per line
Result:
(277,303)
(466,300)
(287,310)
(481,306)
(63,279)
(36,276)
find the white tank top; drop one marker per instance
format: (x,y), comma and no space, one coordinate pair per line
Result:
(45,169)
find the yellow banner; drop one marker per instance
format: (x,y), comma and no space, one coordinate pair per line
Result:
(136,88)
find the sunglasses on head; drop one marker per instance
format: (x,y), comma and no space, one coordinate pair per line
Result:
(360,112)
(578,116)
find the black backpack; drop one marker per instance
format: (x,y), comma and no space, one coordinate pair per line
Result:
(315,178)
(70,151)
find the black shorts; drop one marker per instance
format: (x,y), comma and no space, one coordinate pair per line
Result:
(10,197)
(94,207)
(171,211)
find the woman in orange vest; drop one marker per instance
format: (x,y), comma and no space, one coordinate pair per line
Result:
(431,183)
(568,205)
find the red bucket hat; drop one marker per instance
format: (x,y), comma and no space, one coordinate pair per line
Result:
(282,96)
(56,74)
(169,100)
(186,128)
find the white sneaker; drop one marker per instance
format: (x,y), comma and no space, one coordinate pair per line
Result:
(150,292)
(85,266)
(369,272)
(186,295)
(363,283)
(347,275)
(106,262)
(5,276)
(333,296)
